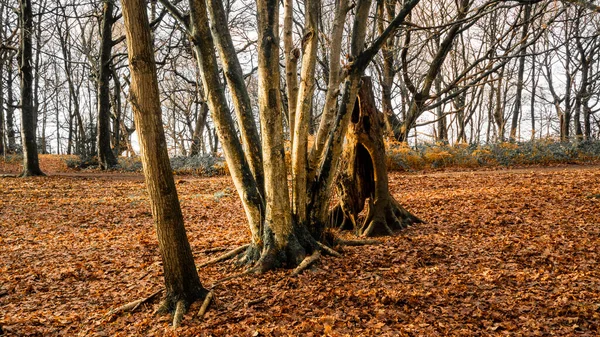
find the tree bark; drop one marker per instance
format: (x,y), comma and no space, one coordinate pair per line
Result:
(106,156)
(181,278)
(521,73)
(241,173)
(365,177)
(299,155)
(31,166)
(10,109)
(239,93)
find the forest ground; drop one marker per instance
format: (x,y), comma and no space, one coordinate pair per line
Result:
(502,252)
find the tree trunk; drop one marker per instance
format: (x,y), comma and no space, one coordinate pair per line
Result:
(31,166)
(10,109)
(299,155)
(364,181)
(73,92)
(291,55)
(239,93)
(241,173)
(2,138)
(181,278)
(106,157)
(284,242)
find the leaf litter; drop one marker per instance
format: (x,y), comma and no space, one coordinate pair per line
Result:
(512,252)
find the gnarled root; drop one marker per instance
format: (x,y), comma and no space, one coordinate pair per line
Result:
(306,263)
(179,305)
(384,217)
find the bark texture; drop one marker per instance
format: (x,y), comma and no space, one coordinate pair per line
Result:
(364,181)
(106,157)
(31,166)
(181,278)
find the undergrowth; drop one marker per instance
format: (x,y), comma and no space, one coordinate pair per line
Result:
(401,157)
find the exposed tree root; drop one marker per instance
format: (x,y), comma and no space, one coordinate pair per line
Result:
(384,217)
(205,304)
(357,242)
(306,262)
(327,250)
(226,256)
(132,306)
(178,315)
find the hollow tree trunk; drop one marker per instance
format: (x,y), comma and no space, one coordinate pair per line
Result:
(181,278)
(364,182)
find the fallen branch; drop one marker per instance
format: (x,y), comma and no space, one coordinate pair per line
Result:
(205,305)
(257,300)
(328,250)
(178,315)
(132,306)
(358,242)
(306,263)
(225,256)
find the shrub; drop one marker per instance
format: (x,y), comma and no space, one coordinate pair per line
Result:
(540,152)
(206,165)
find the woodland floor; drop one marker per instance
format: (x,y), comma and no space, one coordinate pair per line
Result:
(506,252)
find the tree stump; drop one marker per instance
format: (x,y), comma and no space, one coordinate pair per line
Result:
(363,178)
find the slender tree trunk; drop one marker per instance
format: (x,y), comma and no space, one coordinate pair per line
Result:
(2,136)
(31,166)
(10,109)
(291,64)
(303,111)
(533,93)
(241,99)
(73,92)
(333,85)
(181,278)
(117,114)
(520,75)
(106,157)
(238,166)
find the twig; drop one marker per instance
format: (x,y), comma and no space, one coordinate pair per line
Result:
(328,250)
(306,263)
(132,306)
(178,315)
(205,305)
(358,242)
(257,300)
(225,256)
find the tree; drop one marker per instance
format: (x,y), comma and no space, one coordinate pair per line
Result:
(31,166)
(364,176)
(181,278)
(106,157)
(283,234)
